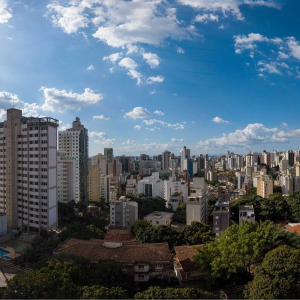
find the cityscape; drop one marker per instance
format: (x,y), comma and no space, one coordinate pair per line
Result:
(149,149)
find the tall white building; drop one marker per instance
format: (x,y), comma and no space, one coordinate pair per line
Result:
(173,186)
(74,142)
(66,178)
(151,186)
(197,203)
(184,154)
(28,179)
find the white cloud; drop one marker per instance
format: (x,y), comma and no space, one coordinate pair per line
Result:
(220,120)
(154,79)
(140,148)
(135,75)
(175,126)
(222,26)
(226,7)
(294,47)
(205,18)
(151,59)
(138,113)
(91,68)
(180,50)
(99,134)
(153,128)
(152,92)
(128,63)
(251,135)
(63,126)
(177,140)
(69,18)
(113,57)
(5,13)
(130,142)
(61,100)
(158,112)
(284,124)
(138,127)
(270,67)
(101,117)
(9,100)
(106,142)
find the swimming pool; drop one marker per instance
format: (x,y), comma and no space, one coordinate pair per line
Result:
(3,253)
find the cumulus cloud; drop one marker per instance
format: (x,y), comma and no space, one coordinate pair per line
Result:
(137,127)
(101,117)
(135,75)
(252,134)
(99,134)
(284,124)
(220,120)
(140,148)
(128,63)
(5,13)
(138,113)
(113,57)
(175,126)
(61,100)
(154,79)
(205,18)
(177,140)
(151,59)
(158,112)
(91,68)
(63,126)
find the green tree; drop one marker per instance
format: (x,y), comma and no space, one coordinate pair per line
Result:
(242,246)
(147,205)
(196,233)
(274,208)
(293,202)
(278,277)
(54,281)
(180,214)
(139,225)
(101,292)
(155,292)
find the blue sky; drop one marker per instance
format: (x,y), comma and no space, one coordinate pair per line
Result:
(146,76)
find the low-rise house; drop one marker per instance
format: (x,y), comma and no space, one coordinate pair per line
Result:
(141,261)
(157,218)
(185,267)
(246,214)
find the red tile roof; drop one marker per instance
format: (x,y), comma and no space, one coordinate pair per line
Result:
(185,255)
(295,229)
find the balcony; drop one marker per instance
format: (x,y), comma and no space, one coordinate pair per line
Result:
(141,277)
(141,268)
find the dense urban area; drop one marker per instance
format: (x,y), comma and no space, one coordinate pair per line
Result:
(162,227)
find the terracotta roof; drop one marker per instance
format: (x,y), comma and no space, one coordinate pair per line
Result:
(128,252)
(119,237)
(185,255)
(295,228)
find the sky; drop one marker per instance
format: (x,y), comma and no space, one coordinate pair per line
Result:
(149,76)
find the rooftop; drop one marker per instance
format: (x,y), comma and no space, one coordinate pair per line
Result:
(185,255)
(126,252)
(159,215)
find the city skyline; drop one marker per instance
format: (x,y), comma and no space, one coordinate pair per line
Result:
(210,75)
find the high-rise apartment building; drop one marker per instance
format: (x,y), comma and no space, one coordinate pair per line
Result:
(109,154)
(264,186)
(184,154)
(123,213)
(28,179)
(165,162)
(66,178)
(75,143)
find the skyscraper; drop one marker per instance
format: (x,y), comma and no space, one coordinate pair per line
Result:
(165,164)
(75,143)
(109,154)
(28,189)
(184,153)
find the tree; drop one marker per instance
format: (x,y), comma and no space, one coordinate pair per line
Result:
(147,205)
(274,208)
(180,214)
(139,225)
(293,202)
(278,277)
(101,292)
(196,233)
(155,292)
(54,281)
(81,231)
(240,247)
